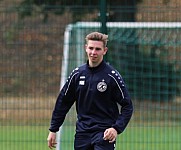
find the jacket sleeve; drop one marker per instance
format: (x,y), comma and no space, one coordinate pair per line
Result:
(123,99)
(65,100)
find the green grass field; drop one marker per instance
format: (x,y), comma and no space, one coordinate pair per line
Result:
(134,138)
(23,137)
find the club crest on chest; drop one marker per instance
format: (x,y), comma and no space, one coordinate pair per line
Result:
(102,86)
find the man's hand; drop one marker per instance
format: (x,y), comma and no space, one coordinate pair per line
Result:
(110,134)
(51,140)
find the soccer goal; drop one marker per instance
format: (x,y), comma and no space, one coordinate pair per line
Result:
(147,54)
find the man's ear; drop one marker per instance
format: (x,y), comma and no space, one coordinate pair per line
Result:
(105,50)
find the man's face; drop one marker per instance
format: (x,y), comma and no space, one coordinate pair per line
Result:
(95,51)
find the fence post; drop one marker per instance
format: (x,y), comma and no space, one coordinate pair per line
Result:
(103,18)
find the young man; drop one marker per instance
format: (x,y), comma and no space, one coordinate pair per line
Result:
(103,104)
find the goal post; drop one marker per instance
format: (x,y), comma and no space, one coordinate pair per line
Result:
(147,54)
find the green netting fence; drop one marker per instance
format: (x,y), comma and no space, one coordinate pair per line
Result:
(148,58)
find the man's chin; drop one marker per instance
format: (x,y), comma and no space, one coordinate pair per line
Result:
(93,59)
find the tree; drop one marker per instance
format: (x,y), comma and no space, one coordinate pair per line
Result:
(117,9)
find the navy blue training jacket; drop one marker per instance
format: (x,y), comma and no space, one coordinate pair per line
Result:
(102,100)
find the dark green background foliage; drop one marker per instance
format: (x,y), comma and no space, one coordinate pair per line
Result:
(27,7)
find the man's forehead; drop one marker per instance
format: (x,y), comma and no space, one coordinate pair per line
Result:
(97,43)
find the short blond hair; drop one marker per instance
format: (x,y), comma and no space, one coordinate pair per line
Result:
(97,36)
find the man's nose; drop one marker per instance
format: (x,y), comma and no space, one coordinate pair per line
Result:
(94,51)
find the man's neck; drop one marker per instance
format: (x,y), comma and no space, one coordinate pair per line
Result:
(92,65)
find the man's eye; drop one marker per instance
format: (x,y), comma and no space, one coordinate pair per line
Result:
(98,49)
(92,48)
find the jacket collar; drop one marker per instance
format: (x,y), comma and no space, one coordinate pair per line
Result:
(97,68)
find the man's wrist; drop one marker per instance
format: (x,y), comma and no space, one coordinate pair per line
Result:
(116,128)
(53,131)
